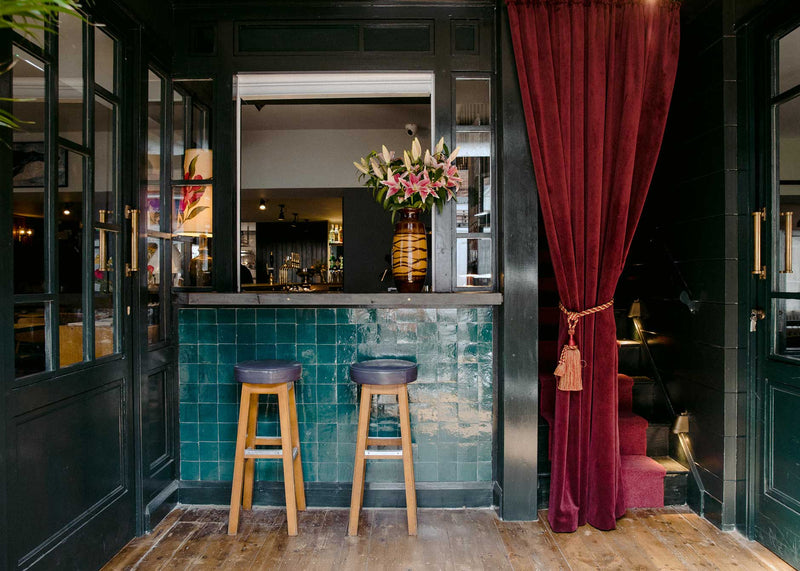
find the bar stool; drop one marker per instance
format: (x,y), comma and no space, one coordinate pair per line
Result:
(383,377)
(268,377)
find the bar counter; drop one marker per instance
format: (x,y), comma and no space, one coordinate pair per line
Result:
(449,335)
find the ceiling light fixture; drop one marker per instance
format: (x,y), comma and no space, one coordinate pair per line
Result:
(262,205)
(281,216)
(66,210)
(294,222)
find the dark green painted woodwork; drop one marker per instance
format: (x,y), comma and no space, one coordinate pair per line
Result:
(451,402)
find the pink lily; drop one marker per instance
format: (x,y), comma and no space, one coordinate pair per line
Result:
(393,181)
(417,185)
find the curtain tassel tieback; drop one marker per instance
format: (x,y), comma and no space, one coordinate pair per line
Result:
(569,365)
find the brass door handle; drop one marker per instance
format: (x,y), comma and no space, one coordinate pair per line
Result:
(102,264)
(787,252)
(133,214)
(758,269)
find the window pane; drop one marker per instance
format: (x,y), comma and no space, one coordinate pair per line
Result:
(105,152)
(29,338)
(105,295)
(788,174)
(34,35)
(789,61)
(473,102)
(192,222)
(104,70)
(474,198)
(178,134)
(473,262)
(69,235)
(29,173)
(154,84)
(70,78)
(200,127)
(155,308)
(787,327)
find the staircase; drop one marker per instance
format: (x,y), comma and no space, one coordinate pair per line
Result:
(650,478)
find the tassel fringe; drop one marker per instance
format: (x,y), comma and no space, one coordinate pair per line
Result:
(568,370)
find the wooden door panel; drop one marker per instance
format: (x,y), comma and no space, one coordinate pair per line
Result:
(783,444)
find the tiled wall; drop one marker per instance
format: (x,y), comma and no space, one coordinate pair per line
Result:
(451,402)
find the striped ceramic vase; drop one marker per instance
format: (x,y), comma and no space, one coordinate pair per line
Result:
(409,252)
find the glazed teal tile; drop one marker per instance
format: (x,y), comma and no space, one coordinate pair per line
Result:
(428,334)
(227,432)
(306,315)
(307,333)
(426,432)
(426,471)
(468,332)
(190,452)
(208,432)
(188,392)
(484,472)
(406,333)
(327,413)
(467,394)
(367,333)
(384,471)
(310,450)
(206,316)
(447,315)
(484,314)
(207,412)
(187,354)
(326,315)
(408,315)
(362,315)
(446,373)
(228,412)
(485,332)
(426,373)
(325,373)
(326,334)
(485,352)
(245,333)
(327,472)
(447,332)
(187,333)
(448,353)
(207,333)
(266,351)
(286,315)
(448,472)
(346,414)
(187,316)
(188,412)
(209,471)
(468,432)
(225,375)
(448,432)
(466,452)
(306,392)
(326,354)
(207,373)
(207,354)
(226,354)
(265,315)
(207,393)
(345,354)
(189,432)
(447,411)
(468,374)
(467,472)
(344,472)
(265,333)
(346,433)
(426,452)
(226,315)
(344,315)
(326,393)
(226,333)
(423,412)
(346,393)
(209,451)
(387,333)
(190,471)
(286,333)
(286,351)
(485,450)
(467,315)
(245,352)
(245,315)
(307,354)
(225,471)
(308,374)
(326,433)
(387,315)
(311,472)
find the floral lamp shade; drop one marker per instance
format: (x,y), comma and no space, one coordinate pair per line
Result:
(195,206)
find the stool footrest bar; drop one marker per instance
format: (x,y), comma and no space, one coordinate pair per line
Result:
(383,454)
(383,441)
(267,453)
(267,441)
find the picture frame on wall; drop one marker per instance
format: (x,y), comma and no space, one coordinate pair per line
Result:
(28,169)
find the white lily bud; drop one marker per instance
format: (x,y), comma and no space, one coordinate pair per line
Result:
(376,168)
(387,156)
(428,158)
(416,149)
(361,168)
(454,154)
(407,160)
(439,146)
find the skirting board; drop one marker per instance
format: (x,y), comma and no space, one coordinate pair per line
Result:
(337,495)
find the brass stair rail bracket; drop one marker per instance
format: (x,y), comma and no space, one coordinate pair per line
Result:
(787,236)
(133,215)
(758,270)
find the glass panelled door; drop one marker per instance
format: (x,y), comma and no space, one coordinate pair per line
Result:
(777,391)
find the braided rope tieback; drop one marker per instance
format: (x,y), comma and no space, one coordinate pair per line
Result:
(569,365)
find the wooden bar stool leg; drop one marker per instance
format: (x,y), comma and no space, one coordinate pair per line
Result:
(238,463)
(288,471)
(299,488)
(357,496)
(408,459)
(250,463)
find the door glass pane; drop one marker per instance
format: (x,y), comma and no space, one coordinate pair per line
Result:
(105,152)
(29,161)
(473,102)
(105,294)
(474,197)
(69,240)
(29,338)
(32,34)
(473,262)
(788,174)
(193,223)
(104,48)
(155,308)
(70,78)
(154,84)
(787,327)
(178,135)
(789,61)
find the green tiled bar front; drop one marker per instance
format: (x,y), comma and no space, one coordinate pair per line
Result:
(451,401)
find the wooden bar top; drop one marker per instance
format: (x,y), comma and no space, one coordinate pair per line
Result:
(334,299)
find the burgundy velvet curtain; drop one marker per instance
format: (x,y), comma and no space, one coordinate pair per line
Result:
(596,78)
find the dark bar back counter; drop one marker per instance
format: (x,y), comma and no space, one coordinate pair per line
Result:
(450,335)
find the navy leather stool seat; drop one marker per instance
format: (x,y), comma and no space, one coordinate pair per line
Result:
(267,377)
(383,377)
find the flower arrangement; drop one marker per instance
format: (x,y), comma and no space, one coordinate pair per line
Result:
(413,181)
(188,207)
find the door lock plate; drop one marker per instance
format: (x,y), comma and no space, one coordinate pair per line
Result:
(756,315)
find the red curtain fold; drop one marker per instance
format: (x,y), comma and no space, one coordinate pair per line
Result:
(596,78)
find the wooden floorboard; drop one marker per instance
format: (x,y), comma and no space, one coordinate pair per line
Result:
(196,538)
